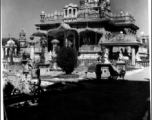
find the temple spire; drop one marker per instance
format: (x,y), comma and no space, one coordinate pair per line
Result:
(9,36)
(22,28)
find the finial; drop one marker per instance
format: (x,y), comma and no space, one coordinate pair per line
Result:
(9,36)
(22,28)
(121,11)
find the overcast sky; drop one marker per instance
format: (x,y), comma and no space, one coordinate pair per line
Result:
(26,13)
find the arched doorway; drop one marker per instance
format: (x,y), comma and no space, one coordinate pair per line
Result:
(70,40)
(60,36)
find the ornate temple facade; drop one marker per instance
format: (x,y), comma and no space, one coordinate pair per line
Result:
(144,50)
(92,25)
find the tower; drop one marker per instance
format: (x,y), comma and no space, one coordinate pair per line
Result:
(22,40)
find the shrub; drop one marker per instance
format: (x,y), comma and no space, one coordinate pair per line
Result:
(67,59)
(8,88)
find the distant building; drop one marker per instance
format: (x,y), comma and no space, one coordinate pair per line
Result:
(144,49)
(22,41)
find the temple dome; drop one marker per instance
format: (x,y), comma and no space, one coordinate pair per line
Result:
(127,13)
(108,1)
(42,13)
(62,13)
(75,5)
(22,33)
(52,15)
(55,13)
(96,0)
(71,4)
(66,6)
(59,13)
(49,15)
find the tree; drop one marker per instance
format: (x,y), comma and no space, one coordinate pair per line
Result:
(67,59)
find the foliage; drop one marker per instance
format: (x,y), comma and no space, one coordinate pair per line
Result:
(92,67)
(43,43)
(19,82)
(67,59)
(8,88)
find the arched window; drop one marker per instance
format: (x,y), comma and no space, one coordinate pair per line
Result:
(74,10)
(66,12)
(143,40)
(70,11)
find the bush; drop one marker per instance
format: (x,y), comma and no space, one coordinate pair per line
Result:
(7,90)
(67,59)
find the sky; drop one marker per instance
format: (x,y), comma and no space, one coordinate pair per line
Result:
(26,13)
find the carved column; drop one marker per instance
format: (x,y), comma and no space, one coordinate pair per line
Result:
(95,38)
(65,39)
(78,41)
(3,55)
(32,50)
(74,40)
(133,56)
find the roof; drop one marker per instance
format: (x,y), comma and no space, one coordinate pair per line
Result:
(66,27)
(122,39)
(61,28)
(39,33)
(100,31)
(5,40)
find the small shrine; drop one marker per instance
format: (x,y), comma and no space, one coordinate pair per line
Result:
(10,50)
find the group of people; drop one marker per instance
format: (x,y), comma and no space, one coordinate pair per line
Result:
(30,69)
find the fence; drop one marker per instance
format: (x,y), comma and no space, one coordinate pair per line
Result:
(144,63)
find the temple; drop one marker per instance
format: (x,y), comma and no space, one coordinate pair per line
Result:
(89,26)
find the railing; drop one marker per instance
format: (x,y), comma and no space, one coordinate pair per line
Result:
(120,18)
(89,48)
(144,63)
(87,62)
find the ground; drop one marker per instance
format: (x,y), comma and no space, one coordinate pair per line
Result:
(91,100)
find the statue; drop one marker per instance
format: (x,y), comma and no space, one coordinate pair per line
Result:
(15,51)
(54,52)
(69,43)
(120,55)
(103,56)
(5,51)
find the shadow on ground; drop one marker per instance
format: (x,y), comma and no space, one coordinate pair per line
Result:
(89,100)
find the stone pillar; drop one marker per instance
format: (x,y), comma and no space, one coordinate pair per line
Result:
(95,38)
(133,56)
(32,51)
(78,41)
(74,41)
(3,53)
(65,37)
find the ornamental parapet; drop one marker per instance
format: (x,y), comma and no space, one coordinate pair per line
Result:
(89,48)
(69,19)
(54,17)
(119,19)
(72,13)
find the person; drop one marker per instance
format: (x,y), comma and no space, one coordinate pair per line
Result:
(99,59)
(30,64)
(39,90)
(120,56)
